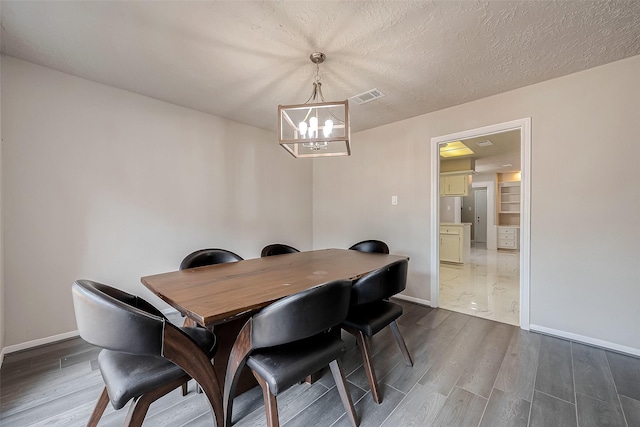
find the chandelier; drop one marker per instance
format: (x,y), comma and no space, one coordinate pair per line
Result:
(316,128)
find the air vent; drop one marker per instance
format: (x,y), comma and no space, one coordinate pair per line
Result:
(367,96)
(484,143)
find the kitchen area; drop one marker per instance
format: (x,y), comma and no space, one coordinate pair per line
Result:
(479,227)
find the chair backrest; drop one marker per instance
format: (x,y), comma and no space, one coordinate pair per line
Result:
(115,320)
(204,257)
(381,283)
(301,315)
(376,246)
(277,249)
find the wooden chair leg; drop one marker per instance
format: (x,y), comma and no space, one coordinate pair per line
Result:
(363,343)
(140,405)
(99,409)
(270,402)
(401,343)
(184,388)
(341,385)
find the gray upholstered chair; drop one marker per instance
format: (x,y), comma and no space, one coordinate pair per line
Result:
(289,340)
(144,356)
(277,249)
(370,312)
(376,246)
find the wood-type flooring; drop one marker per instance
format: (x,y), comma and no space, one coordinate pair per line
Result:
(467,371)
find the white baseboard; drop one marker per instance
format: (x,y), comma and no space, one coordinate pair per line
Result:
(586,340)
(38,342)
(1,356)
(413,299)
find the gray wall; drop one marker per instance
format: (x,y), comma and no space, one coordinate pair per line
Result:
(584,259)
(105,184)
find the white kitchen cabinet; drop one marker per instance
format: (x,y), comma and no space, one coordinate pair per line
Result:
(508,238)
(454,185)
(455,242)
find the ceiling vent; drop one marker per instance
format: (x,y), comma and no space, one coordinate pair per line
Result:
(367,96)
(484,143)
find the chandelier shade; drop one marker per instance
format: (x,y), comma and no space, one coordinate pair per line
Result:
(316,128)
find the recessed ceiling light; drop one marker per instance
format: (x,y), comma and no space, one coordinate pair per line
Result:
(484,143)
(454,149)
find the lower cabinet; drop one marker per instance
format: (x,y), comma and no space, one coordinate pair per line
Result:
(455,243)
(508,237)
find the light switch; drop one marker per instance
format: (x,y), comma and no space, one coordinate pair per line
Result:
(394,200)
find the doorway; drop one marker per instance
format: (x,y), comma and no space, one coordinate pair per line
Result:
(520,258)
(479,228)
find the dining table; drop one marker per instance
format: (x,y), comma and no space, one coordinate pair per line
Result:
(222,297)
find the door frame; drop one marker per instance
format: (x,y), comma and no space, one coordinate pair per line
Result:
(475,190)
(524,125)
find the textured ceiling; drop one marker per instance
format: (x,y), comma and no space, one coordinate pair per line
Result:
(240,59)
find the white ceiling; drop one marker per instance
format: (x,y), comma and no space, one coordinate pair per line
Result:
(240,59)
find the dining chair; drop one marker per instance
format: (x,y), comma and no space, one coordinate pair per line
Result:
(370,312)
(289,340)
(204,257)
(376,246)
(277,249)
(200,258)
(143,356)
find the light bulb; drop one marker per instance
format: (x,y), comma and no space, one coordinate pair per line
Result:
(302,127)
(313,127)
(328,127)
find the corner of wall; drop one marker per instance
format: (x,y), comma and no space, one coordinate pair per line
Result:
(1,235)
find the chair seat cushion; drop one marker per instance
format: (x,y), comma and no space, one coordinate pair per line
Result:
(127,376)
(372,318)
(283,366)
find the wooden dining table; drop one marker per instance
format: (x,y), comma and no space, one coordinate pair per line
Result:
(222,297)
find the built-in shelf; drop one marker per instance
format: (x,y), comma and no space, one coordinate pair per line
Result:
(509,215)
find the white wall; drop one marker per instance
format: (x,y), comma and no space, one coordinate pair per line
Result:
(1,232)
(585,240)
(105,184)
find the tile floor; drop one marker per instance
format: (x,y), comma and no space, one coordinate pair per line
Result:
(488,286)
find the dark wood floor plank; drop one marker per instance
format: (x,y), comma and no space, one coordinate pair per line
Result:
(325,411)
(631,410)
(555,372)
(38,390)
(57,404)
(432,319)
(418,409)
(443,374)
(482,370)
(427,347)
(506,410)
(550,411)
(596,413)
(592,374)
(461,409)
(370,413)
(412,312)
(517,374)
(626,374)
(290,403)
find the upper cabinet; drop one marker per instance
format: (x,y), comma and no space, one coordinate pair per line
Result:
(454,185)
